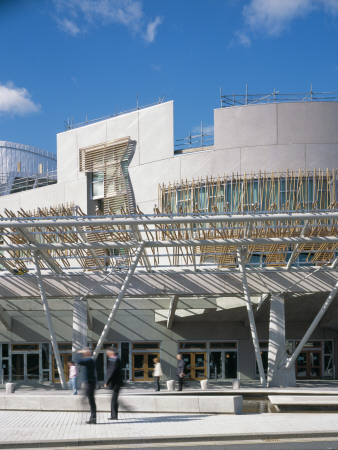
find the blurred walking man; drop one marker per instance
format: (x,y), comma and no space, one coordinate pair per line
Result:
(114,381)
(88,363)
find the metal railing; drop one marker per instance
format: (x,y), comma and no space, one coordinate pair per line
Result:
(192,142)
(276,97)
(15,182)
(69,125)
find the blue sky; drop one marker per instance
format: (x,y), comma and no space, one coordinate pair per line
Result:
(65,59)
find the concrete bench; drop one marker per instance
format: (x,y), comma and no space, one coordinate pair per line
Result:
(292,402)
(179,403)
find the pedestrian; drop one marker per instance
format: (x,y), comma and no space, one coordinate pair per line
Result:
(72,376)
(180,371)
(157,373)
(88,363)
(113,381)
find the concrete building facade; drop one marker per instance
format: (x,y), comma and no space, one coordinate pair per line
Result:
(266,159)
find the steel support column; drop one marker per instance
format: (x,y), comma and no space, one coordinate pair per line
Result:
(119,299)
(251,317)
(291,361)
(49,322)
(171,312)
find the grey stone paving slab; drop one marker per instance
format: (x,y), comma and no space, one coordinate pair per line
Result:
(69,427)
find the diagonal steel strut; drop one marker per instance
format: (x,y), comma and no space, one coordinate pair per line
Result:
(119,299)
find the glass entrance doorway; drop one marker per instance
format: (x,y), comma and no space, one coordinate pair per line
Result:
(309,365)
(196,365)
(65,358)
(143,366)
(25,366)
(223,364)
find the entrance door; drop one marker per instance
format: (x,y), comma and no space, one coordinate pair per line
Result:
(18,366)
(309,365)
(223,364)
(196,365)
(65,357)
(143,366)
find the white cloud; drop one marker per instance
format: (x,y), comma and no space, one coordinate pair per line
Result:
(243,38)
(331,6)
(75,16)
(16,101)
(152,29)
(274,16)
(207,129)
(68,26)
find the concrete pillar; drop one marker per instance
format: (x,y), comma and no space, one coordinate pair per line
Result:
(80,327)
(278,374)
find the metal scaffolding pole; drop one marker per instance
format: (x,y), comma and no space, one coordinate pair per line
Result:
(49,322)
(312,327)
(119,299)
(251,318)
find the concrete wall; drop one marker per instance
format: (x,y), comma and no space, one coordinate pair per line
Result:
(139,325)
(274,137)
(270,137)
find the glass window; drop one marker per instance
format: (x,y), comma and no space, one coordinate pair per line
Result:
(230,364)
(125,354)
(145,345)
(186,345)
(97,185)
(328,347)
(18,367)
(45,356)
(5,350)
(33,366)
(223,345)
(25,347)
(65,346)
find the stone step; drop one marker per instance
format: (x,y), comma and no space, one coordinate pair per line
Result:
(221,404)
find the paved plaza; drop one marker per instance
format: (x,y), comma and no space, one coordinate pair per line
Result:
(23,429)
(67,428)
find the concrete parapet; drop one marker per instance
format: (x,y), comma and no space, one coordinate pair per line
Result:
(174,403)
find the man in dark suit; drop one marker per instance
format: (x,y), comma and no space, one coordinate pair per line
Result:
(90,381)
(114,380)
(180,371)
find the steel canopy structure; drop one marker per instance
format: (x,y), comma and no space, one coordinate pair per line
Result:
(274,241)
(280,242)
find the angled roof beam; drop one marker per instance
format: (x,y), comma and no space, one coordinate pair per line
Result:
(118,301)
(295,248)
(5,318)
(172,243)
(42,253)
(172,310)
(137,235)
(165,219)
(6,265)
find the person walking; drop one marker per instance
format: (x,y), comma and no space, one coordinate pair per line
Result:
(90,381)
(72,376)
(114,380)
(157,373)
(180,371)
